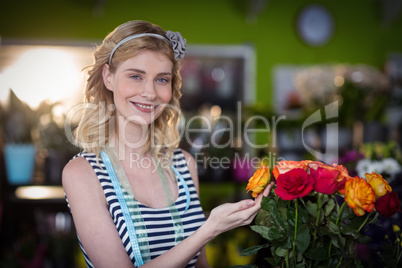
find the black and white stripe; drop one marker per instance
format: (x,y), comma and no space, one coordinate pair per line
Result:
(158,221)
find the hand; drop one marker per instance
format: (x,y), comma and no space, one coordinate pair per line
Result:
(231,215)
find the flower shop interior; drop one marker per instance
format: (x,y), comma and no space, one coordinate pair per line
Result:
(262,81)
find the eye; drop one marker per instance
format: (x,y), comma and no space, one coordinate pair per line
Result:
(134,76)
(162,80)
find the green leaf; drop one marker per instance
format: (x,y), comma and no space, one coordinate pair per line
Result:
(325,199)
(329,207)
(299,258)
(333,227)
(253,250)
(347,213)
(335,241)
(272,261)
(291,216)
(281,252)
(346,230)
(338,241)
(304,215)
(264,218)
(364,239)
(275,233)
(300,265)
(275,212)
(265,202)
(323,230)
(287,243)
(262,230)
(283,212)
(277,258)
(356,222)
(317,254)
(312,208)
(342,240)
(302,238)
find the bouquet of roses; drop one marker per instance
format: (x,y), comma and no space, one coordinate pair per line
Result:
(315,213)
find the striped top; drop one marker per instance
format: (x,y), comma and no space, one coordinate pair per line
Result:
(158,221)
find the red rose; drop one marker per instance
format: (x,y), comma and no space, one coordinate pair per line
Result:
(388,204)
(325,180)
(294,184)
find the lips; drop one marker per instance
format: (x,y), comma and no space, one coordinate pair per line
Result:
(143,107)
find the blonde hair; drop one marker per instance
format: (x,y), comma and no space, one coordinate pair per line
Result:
(98,119)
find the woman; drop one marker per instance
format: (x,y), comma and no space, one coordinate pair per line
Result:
(132,193)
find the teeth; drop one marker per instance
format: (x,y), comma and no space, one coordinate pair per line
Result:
(145,106)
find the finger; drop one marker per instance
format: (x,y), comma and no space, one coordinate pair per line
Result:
(247,215)
(265,193)
(232,208)
(268,189)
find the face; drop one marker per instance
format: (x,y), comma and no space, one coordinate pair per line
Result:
(141,86)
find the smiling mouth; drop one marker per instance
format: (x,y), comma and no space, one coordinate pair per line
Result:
(145,106)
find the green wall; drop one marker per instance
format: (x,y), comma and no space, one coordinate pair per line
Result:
(360,36)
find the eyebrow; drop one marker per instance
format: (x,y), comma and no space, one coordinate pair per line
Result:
(143,72)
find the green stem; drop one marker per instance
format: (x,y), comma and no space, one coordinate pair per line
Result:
(319,201)
(294,238)
(340,213)
(337,221)
(340,261)
(365,221)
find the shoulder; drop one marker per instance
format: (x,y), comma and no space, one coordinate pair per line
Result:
(192,167)
(78,172)
(78,165)
(81,185)
(189,159)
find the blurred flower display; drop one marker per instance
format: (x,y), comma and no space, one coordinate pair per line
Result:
(362,91)
(378,157)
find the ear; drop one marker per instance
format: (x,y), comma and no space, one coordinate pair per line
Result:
(107,77)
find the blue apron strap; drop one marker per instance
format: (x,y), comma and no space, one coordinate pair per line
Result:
(124,208)
(186,190)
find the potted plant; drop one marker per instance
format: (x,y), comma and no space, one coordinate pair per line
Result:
(17,122)
(56,150)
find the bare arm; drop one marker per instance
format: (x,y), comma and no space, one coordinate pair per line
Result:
(92,219)
(222,218)
(202,261)
(99,236)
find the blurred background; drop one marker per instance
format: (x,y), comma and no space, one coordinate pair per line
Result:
(266,65)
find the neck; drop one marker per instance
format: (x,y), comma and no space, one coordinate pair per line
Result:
(130,140)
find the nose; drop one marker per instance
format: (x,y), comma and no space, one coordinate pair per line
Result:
(149,91)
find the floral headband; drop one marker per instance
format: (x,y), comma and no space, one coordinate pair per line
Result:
(175,39)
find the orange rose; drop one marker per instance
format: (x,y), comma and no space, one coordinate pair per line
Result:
(342,178)
(285,166)
(258,181)
(314,164)
(344,172)
(359,195)
(380,186)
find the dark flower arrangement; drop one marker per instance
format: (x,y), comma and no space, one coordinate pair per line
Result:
(315,213)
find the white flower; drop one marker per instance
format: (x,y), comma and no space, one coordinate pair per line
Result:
(377,167)
(391,166)
(363,167)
